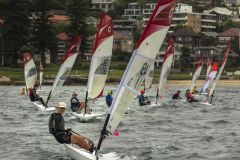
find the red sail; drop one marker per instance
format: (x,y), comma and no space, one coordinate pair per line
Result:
(208,63)
(26,58)
(200,62)
(226,55)
(40,67)
(170,49)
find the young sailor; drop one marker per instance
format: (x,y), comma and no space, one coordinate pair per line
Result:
(142,100)
(190,97)
(34,97)
(57,129)
(76,106)
(176,95)
(109,98)
(195,90)
(23,92)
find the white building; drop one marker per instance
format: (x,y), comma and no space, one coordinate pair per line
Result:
(229,2)
(104,5)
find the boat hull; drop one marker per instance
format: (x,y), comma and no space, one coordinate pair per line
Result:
(41,108)
(200,104)
(86,117)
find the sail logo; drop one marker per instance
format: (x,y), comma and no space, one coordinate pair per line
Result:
(103,67)
(31,72)
(109,29)
(65,74)
(171,12)
(142,75)
(170,47)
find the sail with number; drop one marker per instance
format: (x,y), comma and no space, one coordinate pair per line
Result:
(30,71)
(66,66)
(208,67)
(40,73)
(101,58)
(197,73)
(211,76)
(220,71)
(149,78)
(166,67)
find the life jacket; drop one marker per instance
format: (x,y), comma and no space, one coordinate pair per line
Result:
(30,92)
(194,90)
(141,98)
(175,96)
(51,123)
(22,92)
(109,100)
(189,96)
(76,104)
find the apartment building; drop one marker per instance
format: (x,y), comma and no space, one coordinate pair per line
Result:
(223,38)
(230,2)
(103,5)
(63,45)
(127,27)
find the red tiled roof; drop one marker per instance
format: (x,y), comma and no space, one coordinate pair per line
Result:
(117,35)
(230,32)
(59,18)
(62,36)
(1,21)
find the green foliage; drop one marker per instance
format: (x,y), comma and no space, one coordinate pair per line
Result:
(210,41)
(185,57)
(226,24)
(60,27)
(179,26)
(95,14)
(218,3)
(142,5)
(122,55)
(91,29)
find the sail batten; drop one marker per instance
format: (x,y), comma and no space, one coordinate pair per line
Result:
(30,71)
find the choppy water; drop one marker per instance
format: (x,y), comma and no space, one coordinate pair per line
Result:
(173,131)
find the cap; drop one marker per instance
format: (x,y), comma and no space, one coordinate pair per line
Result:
(142,91)
(62,105)
(109,92)
(74,94)
(179,91)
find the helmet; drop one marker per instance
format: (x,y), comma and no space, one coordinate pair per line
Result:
(109,92)
(142,91)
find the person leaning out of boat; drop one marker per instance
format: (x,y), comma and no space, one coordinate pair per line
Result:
(109,98)
(34,97)
(57,129)
(177,95)
(190,97)
(76,105)
(23,92)
(195,90)
(142,100)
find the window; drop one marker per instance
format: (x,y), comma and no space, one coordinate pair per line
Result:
(129,50)
(88,52)
(194,22)
(117,42)
(129,42)
(89,44)
(198,28)
(155,64)
(188,38)
(125,42)
(63,57)
(197,22)
(103,6)
(45,58)
(200,42)
(130,13)
(61,52)
(194,28)
(198,16)
(137,13)
(59,57)
(188,45)
(194,16)
(175,56)
(179,38)
(221,39)
(61,44)
(109,6)
(124,49)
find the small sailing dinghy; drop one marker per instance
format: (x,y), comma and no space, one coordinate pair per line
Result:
(100,63)
(208,81)
(40,76)
(135,73)
(30,71)
(149,79)
(197,73)
(63,72)
(208,69)
(166,67)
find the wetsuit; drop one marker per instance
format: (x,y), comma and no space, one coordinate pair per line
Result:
(141,98)
(34,97)
(75,104)
(109,100)
(190,98)
(56,128)
(176,96)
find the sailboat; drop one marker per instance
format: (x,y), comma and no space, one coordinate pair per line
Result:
(197,73)
(30,71)
(100,63)
(139,65)
(40,76)
(208,69)
(63,72)
(149,79)
(166,67)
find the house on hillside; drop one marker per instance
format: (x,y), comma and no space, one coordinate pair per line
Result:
(93,21)
(102,5)
(63,46)
(222,39)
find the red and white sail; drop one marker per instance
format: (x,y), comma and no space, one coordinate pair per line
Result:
(101,58)
(208,67)
(40,73)
(166,67)
(30,71)
(197,73)
(66,66)
(220,71)
(149,78)
(141,60)
(211,76)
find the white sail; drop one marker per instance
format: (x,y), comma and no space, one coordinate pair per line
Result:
(166,67)
(220,72)
(101,58)
(40,73)
(149,78)
(197,73)
(210,77)
(30,71)
(141,61)
(66,66)
(208,67)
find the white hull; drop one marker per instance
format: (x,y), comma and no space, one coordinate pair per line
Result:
(86,117)
(129,111)
(155,104)
(203,93)
(81,154)
(40,107)
(39,90)
(199,104)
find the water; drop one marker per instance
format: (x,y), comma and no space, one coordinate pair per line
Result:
(173,131)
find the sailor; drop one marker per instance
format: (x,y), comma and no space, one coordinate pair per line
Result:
(34,97)
(23,92)
(57,129)
(195,90)
(190,97)
(176,95)
(142,100)
(76,106)
(109,98)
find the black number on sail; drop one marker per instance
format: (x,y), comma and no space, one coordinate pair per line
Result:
(103,68)
(166,74)
(31,72)
(65,74)
(142,75)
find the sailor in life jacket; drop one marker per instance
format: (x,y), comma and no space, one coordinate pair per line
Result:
(56,127)
(33,96)
(109,98)
(195,90)
(23,92)
(177,95)
(76,105)
(190,97)
(142,100)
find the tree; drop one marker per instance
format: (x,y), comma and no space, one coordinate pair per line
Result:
(91,29)
(210,41)
(142,5)
(136,36)
(185,57)
(217,3)
(77,11)
(44,37)
(122,55)
(14,29)
(179,26)
(60,27)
